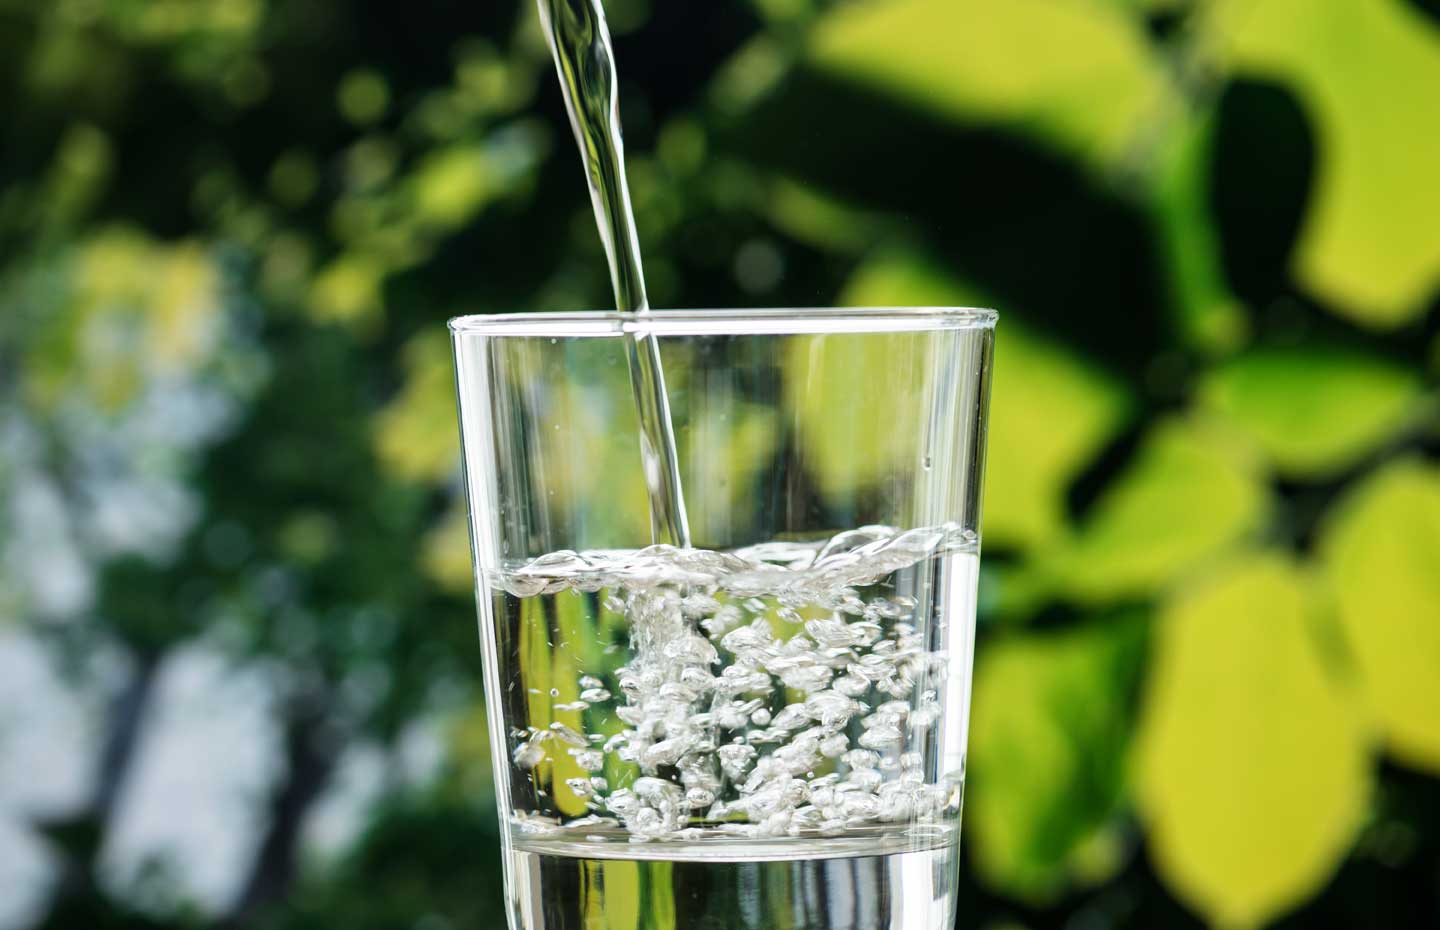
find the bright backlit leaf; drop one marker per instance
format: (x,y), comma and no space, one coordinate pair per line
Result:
(1050,412)
(1049,736)
(1381,549)
(1366,71)
(1080,75)
(1252,762)
(1187,497)
(1312,412)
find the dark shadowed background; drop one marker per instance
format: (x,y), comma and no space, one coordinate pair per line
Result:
(239,682)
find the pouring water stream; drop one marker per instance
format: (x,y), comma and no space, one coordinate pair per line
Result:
(580,42)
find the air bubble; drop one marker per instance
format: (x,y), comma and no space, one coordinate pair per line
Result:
(528,755)
(713,639)
(569,735)
(591,760)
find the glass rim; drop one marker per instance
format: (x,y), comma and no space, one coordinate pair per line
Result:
(771,321)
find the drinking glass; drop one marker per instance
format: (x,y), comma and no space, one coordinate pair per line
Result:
(766,729)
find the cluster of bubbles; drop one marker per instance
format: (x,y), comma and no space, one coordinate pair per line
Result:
(708,668)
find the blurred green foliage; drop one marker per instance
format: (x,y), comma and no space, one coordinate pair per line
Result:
(1208,684)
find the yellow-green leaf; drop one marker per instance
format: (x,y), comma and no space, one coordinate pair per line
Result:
(550,677)
(1049,735)
(1366,73)
(1187,497)
(592,471)
(819,219)
(1050,412)
(347,291)
(1252,762)
(1381,549)
(445,552)
(900,279)
(469,771)
(575,648)
(416,436)
(452,184)
(725,446)
(847,449)
(1079,75)
(129,308)
(612,894)
(1312,412)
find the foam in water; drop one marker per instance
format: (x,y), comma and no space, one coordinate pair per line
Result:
(782,692)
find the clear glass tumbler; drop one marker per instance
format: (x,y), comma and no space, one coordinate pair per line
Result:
(766,730)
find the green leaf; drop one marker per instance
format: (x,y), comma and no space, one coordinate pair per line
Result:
(1252,763)
(1381,551)
(1013,591)
(1188,241)
(1049,737)
(1050,412)
(1365,71)
(1079,75)
(1186,498)
(1312,412)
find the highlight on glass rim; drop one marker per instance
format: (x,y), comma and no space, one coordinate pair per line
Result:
(384,543)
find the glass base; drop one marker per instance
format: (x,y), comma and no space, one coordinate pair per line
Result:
(913,889)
